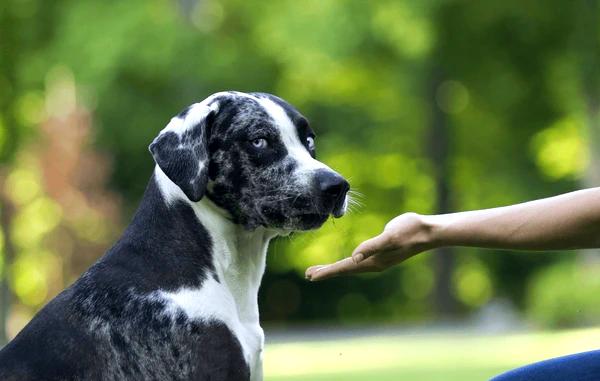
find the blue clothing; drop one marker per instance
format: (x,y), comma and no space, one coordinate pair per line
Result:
(578,367)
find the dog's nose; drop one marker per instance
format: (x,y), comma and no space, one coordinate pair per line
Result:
(332,186)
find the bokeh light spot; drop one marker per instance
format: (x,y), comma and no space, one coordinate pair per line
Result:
(560,150)
(472,283)
(22,185)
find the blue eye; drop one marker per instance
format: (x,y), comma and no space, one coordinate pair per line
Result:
(310,141)
(259,143)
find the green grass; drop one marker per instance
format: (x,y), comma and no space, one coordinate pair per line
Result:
(423,357)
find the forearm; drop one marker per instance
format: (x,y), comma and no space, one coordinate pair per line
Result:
(567,221)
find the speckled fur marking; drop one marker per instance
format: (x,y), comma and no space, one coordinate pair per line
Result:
(265,189)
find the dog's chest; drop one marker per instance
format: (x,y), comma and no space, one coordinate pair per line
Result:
(214,301)
(230,294)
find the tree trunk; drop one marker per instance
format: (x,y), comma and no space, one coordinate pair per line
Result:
(444,302)
(588,51)
(589,55)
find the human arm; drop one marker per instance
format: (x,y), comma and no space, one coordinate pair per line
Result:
(568,221)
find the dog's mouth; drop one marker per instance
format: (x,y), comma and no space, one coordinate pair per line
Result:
(340,207)
(308,221)
(303,214)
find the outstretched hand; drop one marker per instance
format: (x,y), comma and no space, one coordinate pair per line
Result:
(567,221)
(403,237)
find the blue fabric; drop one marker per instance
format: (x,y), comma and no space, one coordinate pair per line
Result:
(578,367)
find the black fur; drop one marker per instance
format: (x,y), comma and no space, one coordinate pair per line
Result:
(180,158)
(103,328)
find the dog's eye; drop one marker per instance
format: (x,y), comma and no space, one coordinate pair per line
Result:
(259,143)
(310,141)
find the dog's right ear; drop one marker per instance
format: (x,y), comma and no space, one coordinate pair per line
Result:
(181,149)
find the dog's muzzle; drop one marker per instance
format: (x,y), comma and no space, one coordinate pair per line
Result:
(332,189)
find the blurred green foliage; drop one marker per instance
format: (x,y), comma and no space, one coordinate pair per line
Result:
(565,294)
(509,89)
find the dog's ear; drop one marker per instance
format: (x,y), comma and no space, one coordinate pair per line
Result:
(181,149)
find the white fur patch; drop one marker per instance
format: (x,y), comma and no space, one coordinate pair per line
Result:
(210,302)
(214,302)
(289,136)
(195,114)
(169,190)
(239,259)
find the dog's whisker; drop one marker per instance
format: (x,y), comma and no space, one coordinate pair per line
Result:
(356,193)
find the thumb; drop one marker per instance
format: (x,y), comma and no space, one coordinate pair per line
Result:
(370,247)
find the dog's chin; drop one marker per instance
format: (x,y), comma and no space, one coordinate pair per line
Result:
(310,221)
(300,222)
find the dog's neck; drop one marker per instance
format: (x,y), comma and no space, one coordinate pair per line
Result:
(238,255)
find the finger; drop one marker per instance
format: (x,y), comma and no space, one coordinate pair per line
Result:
(343,267)
(370,247)
(311,270)
(331,270)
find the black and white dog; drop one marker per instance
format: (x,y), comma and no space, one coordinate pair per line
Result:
(176,297)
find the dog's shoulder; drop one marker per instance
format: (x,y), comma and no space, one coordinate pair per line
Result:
(137,327)
(98,330)
(121,319)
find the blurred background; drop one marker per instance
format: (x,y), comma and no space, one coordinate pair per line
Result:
(428,106)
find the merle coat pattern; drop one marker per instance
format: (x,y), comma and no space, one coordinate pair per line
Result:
(176,297)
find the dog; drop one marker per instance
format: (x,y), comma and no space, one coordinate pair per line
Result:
(176,297)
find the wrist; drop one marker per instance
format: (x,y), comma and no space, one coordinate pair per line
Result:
(434,227)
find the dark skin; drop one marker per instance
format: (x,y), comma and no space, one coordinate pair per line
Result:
(568,221)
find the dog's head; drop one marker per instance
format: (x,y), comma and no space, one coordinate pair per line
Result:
(254,156)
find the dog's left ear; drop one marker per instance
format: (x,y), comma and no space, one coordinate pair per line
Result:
(181,150)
